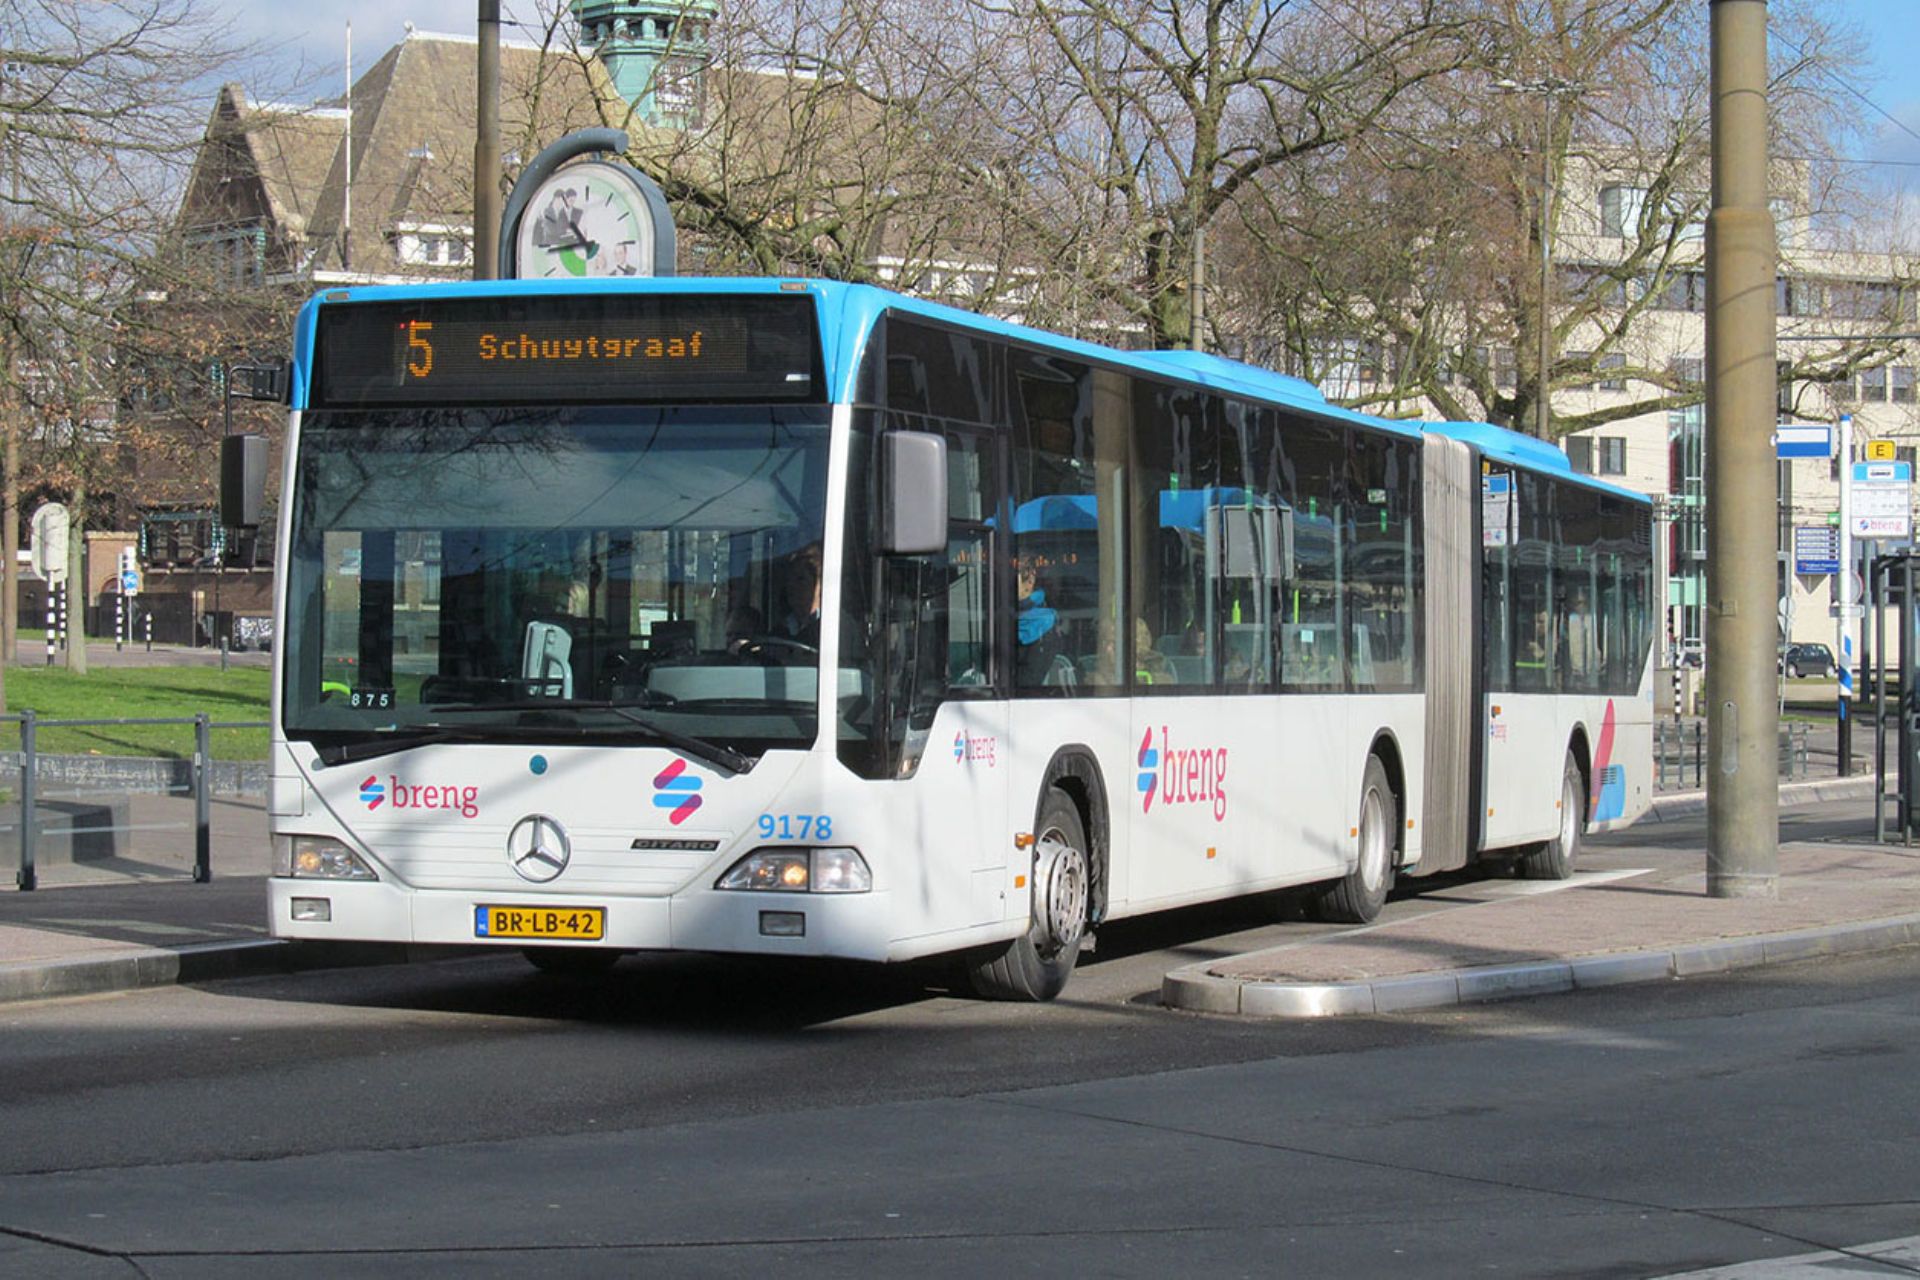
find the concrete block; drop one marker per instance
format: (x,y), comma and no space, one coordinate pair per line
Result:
(1422,991)
(1874,935)
(1501,982)
(1302,1000)
(1616,970)
(1718,957)
(1192,987)
(1806,944)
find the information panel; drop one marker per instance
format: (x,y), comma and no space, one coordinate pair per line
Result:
(575,349)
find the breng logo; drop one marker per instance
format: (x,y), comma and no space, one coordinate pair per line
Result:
(679,792)
(1184,775)
(1149,779)
(967,747)
(397,795)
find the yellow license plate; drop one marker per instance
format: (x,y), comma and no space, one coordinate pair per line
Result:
(580,924)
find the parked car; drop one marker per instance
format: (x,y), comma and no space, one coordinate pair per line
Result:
(1807,660)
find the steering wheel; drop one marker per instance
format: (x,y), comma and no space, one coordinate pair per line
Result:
(757,646)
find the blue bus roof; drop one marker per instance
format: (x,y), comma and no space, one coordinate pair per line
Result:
(1529,452)
(848,313)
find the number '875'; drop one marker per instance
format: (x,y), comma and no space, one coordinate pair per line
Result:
(796,826)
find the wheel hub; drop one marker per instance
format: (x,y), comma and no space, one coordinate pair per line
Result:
(1059,894)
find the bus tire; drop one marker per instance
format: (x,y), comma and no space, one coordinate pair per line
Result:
(1554,860)
(571,962)
(1358,896)
(1036,965)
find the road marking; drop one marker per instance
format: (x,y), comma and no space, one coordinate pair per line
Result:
(1887,1258)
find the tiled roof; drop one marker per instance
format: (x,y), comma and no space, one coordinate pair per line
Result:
(414,119)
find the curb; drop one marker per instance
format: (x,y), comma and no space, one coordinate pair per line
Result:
(1193,988)
(134,969)
(1691,804)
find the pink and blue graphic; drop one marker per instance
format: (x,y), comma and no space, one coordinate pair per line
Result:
(679,792)
(371,792)
(1609,799)
(1149,780)
(960,745)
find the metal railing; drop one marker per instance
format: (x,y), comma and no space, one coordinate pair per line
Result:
(199,785)
(1680,752)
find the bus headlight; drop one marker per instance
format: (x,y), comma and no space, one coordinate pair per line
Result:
(825,870)
(319,858)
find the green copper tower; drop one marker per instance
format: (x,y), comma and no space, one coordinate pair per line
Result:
(655,51)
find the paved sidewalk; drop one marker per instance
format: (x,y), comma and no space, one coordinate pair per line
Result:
(1636,913)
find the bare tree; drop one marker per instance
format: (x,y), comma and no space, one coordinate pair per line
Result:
(100,105)
(1415,256)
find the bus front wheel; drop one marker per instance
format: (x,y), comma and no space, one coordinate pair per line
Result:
(1036,965)
(1358,896)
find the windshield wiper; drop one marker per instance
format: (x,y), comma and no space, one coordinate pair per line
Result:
(391,741)
(723,758)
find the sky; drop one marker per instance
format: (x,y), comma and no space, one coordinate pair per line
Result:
(310,35)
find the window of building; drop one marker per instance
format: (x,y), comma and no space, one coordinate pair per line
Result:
(1611,361)
(1873,385)
(1688,369)
(1902,384)
(1683,291)
(1505,370)
(1796,297)
(1613,455)
(1621,208)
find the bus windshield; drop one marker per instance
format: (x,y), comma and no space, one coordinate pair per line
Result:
(597,573)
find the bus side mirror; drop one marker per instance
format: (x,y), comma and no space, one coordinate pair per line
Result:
(913,466)
(243,480)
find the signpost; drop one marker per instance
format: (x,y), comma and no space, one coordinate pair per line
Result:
(1882,501)
(49,523)
(1802,440)
(1816,549)
(129,587)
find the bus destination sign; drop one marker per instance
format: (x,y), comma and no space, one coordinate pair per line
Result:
(570,349)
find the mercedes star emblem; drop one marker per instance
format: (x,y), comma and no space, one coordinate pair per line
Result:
(538,848)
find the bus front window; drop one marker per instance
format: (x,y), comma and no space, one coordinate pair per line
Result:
(547,572)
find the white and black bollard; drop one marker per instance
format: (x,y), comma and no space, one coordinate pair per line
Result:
(52,634)
(119,620)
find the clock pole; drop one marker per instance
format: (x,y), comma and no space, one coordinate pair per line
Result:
(580,143)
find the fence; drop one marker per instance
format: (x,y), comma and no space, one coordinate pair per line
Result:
(83,832)
(1680,752)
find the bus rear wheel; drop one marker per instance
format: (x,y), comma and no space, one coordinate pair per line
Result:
(1036,965)
(571,962)
(1358,896)
(1555,859)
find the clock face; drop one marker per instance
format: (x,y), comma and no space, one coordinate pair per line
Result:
(585,220)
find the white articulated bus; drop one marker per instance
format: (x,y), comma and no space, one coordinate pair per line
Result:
(802,618)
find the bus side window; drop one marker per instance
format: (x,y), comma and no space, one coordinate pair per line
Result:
(1175,508)
(1069,449)
(1313,633)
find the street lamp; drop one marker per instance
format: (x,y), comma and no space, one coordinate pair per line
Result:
(1546,87)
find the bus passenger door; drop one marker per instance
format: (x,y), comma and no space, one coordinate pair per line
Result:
(961,783)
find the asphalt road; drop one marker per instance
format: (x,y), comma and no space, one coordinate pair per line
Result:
(702,1116)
